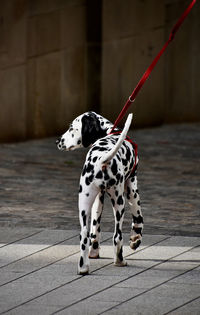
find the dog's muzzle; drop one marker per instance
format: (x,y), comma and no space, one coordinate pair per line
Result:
(60,144)
(57,141)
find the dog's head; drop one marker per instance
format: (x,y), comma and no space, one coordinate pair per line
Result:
(84,131)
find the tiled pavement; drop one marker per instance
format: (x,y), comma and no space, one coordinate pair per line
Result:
(38,275)
(39,231)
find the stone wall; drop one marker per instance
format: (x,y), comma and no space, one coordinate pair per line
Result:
(182,65)
(43,65)
(59,58)
(133,34)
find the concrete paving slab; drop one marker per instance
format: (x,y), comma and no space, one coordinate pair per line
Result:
(138,283)
(192,277)
(49,279)
(40,308)
(159,300)
(29,245)
(168,248)
(189,307)
(27,274)
(30,289)
(158,274)
(103,300)
(53,277)
(37,309)
(94,307)
(74,292)
(38,260)
(8,237)
(192,255)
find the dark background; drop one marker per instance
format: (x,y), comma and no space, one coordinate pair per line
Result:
(59,58)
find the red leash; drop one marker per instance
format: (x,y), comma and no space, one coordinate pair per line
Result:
(150,68)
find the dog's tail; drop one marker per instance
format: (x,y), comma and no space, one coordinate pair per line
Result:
(107,157)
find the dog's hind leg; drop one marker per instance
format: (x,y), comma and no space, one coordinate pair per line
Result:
(95,226)
(118,202)
(137,218)
(85,204)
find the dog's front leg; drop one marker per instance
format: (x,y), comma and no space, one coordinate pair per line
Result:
(86,198)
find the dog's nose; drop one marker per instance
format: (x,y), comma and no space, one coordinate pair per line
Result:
(57,141)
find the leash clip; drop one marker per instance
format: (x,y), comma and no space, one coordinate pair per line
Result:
(131,99)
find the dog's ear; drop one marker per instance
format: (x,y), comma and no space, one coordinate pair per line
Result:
(91,129)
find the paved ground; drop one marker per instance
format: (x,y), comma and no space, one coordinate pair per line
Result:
(38,275)
(39,231)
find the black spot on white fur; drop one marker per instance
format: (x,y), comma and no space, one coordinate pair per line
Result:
(81,261)
(91,129)
(120,200)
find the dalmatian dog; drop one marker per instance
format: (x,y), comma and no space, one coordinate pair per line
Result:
(108,169)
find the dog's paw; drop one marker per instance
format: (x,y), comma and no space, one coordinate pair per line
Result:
(94,253)
(83,266)
(83,270)
(119,263)
(135,241)
(94,250)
